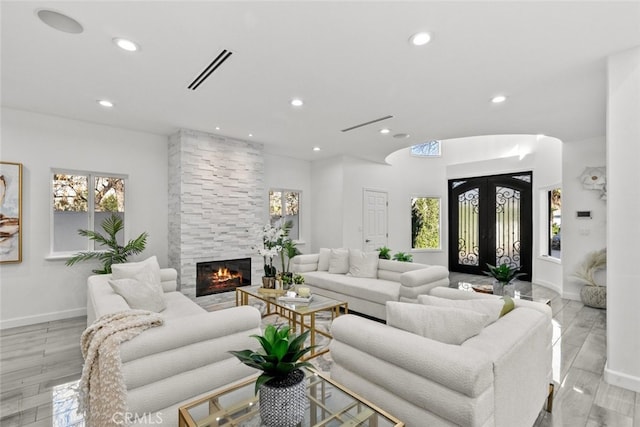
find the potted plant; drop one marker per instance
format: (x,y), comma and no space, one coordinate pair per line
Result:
(384,252)
(503,274)
(115,254)
(403,257)
(298,279)
(592,294)
(271,246)
(281,385)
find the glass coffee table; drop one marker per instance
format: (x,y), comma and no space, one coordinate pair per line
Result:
(517,294)
(330,405)
(300,316)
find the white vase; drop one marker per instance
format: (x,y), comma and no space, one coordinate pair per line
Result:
(503,288)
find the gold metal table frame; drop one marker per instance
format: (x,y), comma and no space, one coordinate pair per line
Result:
(296,313)
(240,408)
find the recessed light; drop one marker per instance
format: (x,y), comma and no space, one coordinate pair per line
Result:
(126,44)
(420,39)
(217,127)
(105,103)
(498,99)
(385,131)
(401,135)
(316,148)
(250,135)
(59,21)
(297,102)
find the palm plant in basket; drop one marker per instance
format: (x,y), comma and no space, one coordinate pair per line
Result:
(281,384)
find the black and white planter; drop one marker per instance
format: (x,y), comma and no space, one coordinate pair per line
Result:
(283,400)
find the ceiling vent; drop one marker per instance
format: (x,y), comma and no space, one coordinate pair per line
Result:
(366,123)
(222,56)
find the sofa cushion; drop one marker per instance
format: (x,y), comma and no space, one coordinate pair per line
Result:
(323,259)
(363,264)
(339,261)
(130,269)
(179,305)
(444,324)
(492,308)
(374,290)
(139,295)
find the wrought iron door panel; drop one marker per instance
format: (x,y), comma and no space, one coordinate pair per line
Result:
(490,221)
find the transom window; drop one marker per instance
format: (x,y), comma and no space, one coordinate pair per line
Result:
(284,206)
(82,200)
(426,149)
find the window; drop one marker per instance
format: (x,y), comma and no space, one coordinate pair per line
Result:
(425,223)
(426,149)
(82,200)
(555,219)
(284,205)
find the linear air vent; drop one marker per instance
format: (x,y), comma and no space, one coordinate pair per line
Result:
(222,56)
(366,123)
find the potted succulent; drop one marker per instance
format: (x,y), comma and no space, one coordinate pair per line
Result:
(403,257)
(115,254)
(281,385)
(504,274)
(384,252)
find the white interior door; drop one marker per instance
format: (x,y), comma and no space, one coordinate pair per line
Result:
(375,219)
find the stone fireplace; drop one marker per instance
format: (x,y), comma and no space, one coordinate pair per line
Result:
(217,207)
(214,277)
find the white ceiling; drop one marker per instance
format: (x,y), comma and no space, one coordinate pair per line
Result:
(350,61)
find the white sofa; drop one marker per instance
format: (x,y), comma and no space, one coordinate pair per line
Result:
(393,281)
(499,377)
(185,358)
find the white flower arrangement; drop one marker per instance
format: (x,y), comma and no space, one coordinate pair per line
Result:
(274,237)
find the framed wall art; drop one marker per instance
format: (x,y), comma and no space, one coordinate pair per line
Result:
(10,212)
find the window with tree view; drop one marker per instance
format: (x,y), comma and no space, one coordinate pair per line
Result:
(425,223)
(284,206)
(82,200)
(555,222)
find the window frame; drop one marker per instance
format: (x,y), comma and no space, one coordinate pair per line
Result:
(427,156)
(439,248)
(283,190)
(90,225)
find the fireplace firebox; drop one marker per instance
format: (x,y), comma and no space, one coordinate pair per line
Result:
(214,277)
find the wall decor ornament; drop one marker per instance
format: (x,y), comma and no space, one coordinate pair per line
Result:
(10,212)
(595,178)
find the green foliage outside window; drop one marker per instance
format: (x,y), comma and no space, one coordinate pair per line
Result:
(425,223)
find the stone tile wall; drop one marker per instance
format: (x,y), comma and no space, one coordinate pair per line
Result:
(216,205)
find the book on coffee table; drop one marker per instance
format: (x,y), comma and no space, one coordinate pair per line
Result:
(296,299)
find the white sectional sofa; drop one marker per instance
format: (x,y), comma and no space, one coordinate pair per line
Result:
(383,280)
(499,377)
(186,357)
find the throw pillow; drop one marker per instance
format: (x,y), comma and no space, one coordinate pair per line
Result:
(363,264)
(339,261)
(490,307)
(323,259)
(139,293)
(131,269)
(508,305)
(444,324)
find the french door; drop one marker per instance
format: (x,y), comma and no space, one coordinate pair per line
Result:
(490,223)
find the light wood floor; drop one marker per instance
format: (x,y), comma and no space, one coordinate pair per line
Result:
(40,365)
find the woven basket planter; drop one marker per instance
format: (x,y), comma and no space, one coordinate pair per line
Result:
(594,296)
(283,402)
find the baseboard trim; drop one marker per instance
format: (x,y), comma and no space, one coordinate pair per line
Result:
(571,295)
(548,285)
(621,380)
(41,318)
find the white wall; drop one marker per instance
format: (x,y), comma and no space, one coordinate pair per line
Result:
(623,176)
(342,181)
(580,236)
(38,289)
(291,174)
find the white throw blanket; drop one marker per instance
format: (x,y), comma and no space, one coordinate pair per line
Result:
(103,392)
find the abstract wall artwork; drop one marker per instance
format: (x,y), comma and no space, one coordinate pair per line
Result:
(10,212)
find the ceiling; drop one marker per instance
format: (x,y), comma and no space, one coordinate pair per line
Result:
(349,61)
